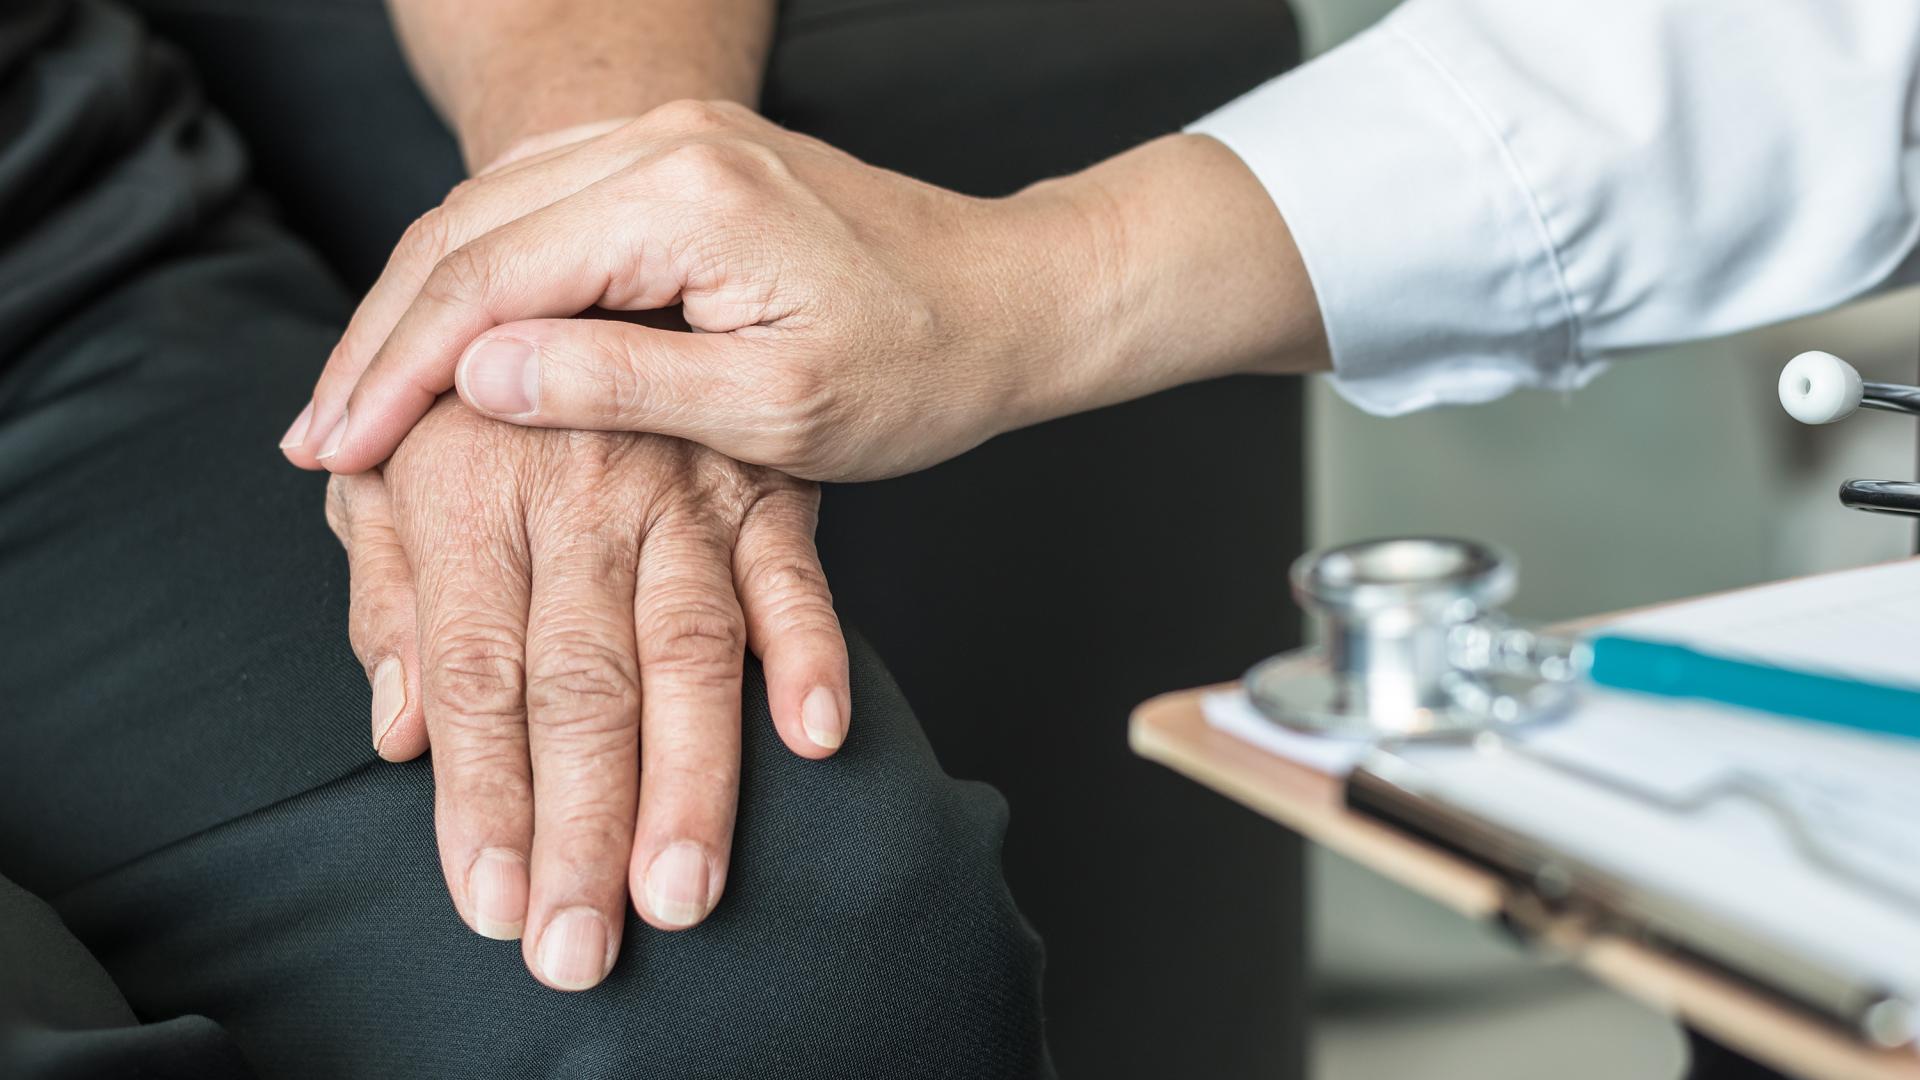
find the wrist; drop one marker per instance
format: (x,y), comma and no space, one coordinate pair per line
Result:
(1176,268)
(500,72)
(495,113)
(490,136)
(532,145)
(1044,280)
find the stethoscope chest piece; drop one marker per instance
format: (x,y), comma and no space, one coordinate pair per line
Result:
(1412,645)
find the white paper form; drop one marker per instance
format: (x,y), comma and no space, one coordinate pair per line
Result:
(1861,623)
(1804,835)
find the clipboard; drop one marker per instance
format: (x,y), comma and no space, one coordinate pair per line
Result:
(1559,899)
(1766,995)
(1783,853)
(1177,731)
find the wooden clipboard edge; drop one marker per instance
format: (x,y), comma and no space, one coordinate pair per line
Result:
(1171,729)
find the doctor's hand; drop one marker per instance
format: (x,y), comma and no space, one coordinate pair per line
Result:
(562,615)
(855,323)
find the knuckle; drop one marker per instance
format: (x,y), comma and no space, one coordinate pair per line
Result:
(459,277)
(692,634)
(688,115)
(459,196)
(485,778)
(582,684)
(691,775)
(702,159)
(380,609)
(785,512)
(427,236)
(710,509)
(756,157)
(476,677)
(808,625)
(789,578)
(800,621)
(715,173)
(382,578)
(591,838)
(591,823)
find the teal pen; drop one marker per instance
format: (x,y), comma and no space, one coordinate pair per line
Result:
(1678,671)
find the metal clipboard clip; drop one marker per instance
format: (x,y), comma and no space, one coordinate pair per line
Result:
(1561,902)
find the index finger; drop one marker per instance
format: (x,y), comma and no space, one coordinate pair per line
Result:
(471,211)
(553,263)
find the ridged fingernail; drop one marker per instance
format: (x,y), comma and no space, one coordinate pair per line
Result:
(573,951)
(820,718)
(497,888)
(677,885)
(389,697)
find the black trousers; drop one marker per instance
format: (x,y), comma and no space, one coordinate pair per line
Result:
(186,778)
(193,720)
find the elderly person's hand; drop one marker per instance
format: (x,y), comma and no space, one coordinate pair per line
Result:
(563,616)
(856,323)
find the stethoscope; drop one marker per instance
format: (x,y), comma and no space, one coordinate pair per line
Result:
(1413,640)
(1820,388)
(1413,645)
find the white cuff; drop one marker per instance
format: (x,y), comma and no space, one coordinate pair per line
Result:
(1433,268)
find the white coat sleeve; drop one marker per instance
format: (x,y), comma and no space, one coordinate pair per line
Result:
(1493,194)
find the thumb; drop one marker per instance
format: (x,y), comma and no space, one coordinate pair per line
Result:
(602,375)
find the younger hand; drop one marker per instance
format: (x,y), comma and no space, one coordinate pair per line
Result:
(856,323)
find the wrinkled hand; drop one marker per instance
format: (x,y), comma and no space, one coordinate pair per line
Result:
(852,326)
(563,616)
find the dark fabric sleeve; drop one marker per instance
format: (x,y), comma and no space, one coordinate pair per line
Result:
(107,156)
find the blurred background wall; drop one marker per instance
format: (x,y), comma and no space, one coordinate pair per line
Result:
(1675,474)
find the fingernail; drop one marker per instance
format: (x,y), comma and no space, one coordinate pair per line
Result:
(503,376)
(332,445)
(297,431)
(389,697)
(677,885)
(820,718)
(573,951)
(497,889)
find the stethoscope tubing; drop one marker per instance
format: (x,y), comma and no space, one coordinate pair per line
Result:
(1890,397)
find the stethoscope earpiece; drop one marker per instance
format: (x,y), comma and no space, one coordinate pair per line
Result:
(1820,388)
